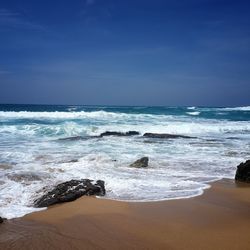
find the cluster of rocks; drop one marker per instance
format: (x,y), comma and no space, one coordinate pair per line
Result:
(128,133)
(107,133)
(72,190)
(148,135)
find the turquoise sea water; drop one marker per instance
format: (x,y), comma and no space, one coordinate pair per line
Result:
(32,156)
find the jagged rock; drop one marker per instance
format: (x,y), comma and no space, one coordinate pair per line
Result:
(113,133)
(243,172)
(166,136)
(70,191)
(141,163)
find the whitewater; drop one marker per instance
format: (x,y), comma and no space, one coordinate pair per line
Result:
(37,150)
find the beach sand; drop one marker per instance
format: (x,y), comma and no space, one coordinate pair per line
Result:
(218,219)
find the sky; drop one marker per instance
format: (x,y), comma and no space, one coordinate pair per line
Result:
(133,52)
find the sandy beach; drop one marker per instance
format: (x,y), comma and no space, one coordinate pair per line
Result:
(218,219)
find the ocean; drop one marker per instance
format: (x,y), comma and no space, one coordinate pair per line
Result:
(37,150)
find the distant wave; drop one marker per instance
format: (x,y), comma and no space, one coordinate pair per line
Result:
(80,115)
(193,113)
(191,108)
(244,108)
(59,115)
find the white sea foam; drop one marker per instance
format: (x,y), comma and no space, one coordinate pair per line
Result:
(191,108)
(63,115)
(193,113)
(170,174)
(94,123)
(178,168)
(244,108)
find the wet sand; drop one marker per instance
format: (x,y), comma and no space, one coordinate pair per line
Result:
(218,219)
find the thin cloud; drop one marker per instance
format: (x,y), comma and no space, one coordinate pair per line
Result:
(11,19)
(4,72)
(90,2)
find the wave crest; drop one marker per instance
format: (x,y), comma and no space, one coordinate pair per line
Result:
(193,113)
(243,108)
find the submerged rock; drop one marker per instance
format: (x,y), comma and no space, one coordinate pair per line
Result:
(25,176)
(5,166)
(70,191)
(107,133)
(77,138)
(141,163)
(72,138)
(72,161)
(113,133)
(166,136)
(243,172)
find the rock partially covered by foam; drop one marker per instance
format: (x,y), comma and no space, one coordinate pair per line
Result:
(25,176)
(70,191)
(166,136)
(243,172)
(141,163)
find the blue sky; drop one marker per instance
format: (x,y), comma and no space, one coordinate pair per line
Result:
(161,52)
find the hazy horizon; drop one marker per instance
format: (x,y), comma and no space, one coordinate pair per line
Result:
(110,105)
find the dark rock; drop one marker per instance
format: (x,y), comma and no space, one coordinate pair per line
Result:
(243,172)
(233,138)
(2,219)
(107,133)
(70,191)
(73,160)
(141,163)
(113,133)
(130,133)
(166,136)
(214,140)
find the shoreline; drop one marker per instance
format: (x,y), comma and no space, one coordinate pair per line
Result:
(217,219)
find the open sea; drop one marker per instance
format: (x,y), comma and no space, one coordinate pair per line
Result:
(36,150)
